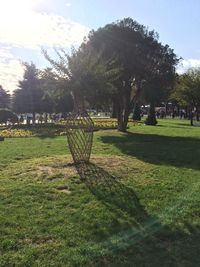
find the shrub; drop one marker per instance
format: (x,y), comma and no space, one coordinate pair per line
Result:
(7,115)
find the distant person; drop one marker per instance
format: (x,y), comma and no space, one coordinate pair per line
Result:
(162,114)
(21,119)
(158,114)
(182,113)
(29,118)
(40,119)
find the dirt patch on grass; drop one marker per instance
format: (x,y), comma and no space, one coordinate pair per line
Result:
(52,173)
(64,168)
(59,168)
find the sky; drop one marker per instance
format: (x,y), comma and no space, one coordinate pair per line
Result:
(27,26)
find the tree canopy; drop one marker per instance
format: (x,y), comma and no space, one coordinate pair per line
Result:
(41,91)
(187,90)
(118,63)
(4,98)
(28,96)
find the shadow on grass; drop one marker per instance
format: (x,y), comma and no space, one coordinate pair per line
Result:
(108,189)
(157,149)
(174,127)
(146,242)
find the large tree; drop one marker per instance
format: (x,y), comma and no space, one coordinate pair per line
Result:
(121,42)
(83,76)
(114,63)
(28,97)
(143,60)
(4,98)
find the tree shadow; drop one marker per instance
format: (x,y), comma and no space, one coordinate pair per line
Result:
(110,190)
(158,149)
(47,136)
(146,242)
(121,199)
(172,126)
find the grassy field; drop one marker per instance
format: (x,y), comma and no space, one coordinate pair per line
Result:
(136,204)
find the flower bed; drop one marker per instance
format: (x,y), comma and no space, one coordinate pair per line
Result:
(109,123)
(16,133)
(105,123)
(57,129)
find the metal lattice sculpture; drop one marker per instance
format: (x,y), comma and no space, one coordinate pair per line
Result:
(80,135)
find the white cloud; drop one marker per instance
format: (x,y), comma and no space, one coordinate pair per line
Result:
(11,70)
(187,64)
(28,29)
(34,30)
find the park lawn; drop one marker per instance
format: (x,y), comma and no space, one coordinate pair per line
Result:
(136,204)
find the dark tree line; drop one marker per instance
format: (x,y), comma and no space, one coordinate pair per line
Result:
(186,93)
(38,92)
(4,98)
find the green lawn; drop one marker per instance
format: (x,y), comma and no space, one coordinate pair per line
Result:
(136,204)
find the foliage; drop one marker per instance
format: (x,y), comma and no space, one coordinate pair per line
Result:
(112,66)
(27,98)
(141,59)
(105,123)
(64,103)
(4,98)
(41,91)
(33,131)
(55,97)
(84,76)
(161,76)
(187,90)
(7,115)
(54,130)
(16,133)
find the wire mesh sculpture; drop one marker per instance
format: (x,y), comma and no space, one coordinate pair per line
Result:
(80,135)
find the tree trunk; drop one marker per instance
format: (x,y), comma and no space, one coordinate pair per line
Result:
(178,109)
(124,103)
(114,109)
(137,112)
(119,118)
(33,119)
(197,113)
(123,121)
(166,109)
(45,117)
(151,119)
(191,115)
(122,126)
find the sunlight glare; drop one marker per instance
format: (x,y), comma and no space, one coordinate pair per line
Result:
(15,13)
(17,7)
